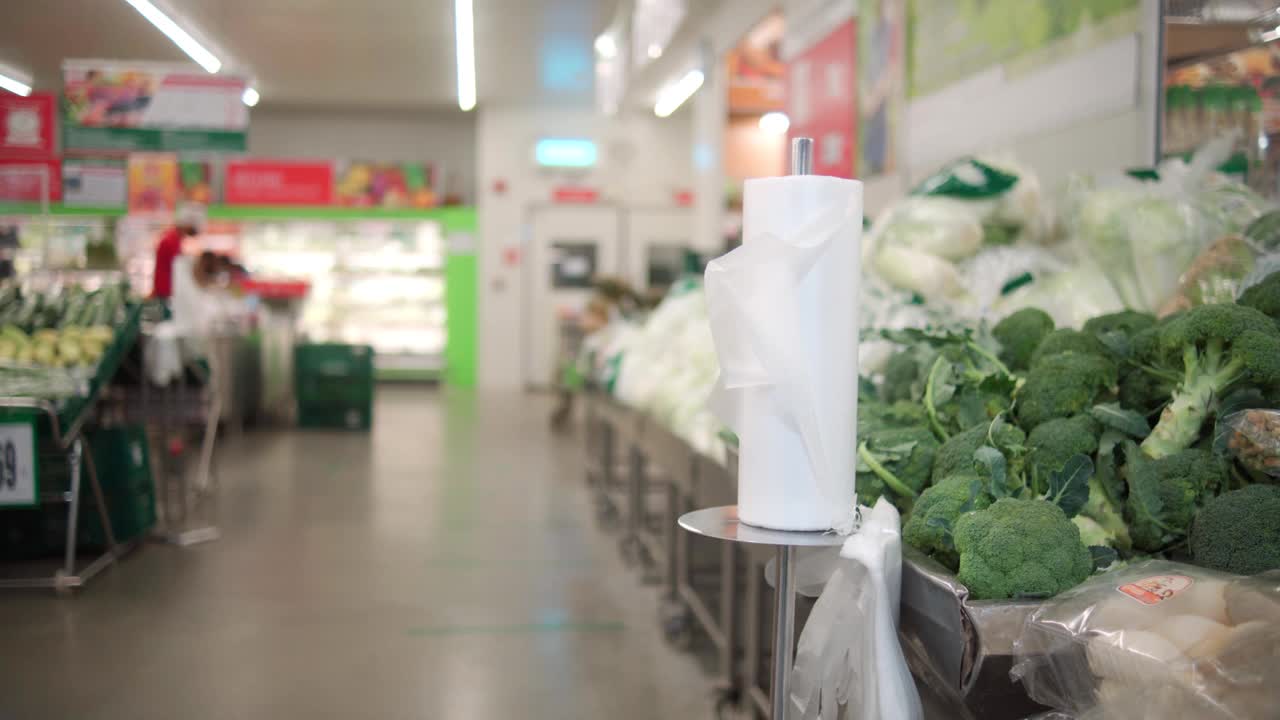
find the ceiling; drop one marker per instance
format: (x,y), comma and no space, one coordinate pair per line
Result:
(335,53)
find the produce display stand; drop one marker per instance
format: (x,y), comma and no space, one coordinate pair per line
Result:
(59,427)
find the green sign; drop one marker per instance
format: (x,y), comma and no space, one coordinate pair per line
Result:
(153,140)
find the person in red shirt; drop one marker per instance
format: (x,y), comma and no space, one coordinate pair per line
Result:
(170,247)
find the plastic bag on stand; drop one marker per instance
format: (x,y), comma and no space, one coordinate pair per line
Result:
(848,653)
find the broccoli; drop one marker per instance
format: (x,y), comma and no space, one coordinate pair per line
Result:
(897,460)
(1239,531)
(900,374)
(1264,296)
(1065,340)
(1209,349)
(1101,511)
(1051,443)
(1164,495)
(956,454)
(1020,548)
(1020,334)
(1144,392)
(1063,385)
(1091,533)
(936,510)
(877,415)
(1128,322)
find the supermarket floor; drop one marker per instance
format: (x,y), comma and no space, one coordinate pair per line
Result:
(446,566)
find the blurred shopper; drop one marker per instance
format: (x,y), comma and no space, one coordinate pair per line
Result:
(186,225)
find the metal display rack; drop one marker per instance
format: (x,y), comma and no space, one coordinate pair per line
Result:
(66,420)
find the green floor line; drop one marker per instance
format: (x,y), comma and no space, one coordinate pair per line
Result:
(520,629)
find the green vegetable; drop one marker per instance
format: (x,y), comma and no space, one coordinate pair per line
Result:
(1239,531)
(1052,443)
(1264,297)
(1101,511)
(1063,385)
(1065,340)
(957,455)
(1020,548)
(1020,334)
(894,462)
(1164,495)
(1143,392)
(928,527)
(900,374)
(1128,322)
(1211,348)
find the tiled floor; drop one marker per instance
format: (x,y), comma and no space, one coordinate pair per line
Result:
(447,565)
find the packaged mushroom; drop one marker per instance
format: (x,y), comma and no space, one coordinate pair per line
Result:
(1157,639)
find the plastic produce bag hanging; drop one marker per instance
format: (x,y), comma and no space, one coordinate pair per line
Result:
(783,313)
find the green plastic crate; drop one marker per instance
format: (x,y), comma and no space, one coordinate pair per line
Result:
(335,418)
(333,376)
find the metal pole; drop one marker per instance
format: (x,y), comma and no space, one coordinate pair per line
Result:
(802,156)
(784,630)
(73,509)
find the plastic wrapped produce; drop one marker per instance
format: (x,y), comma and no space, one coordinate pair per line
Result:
(1157,639)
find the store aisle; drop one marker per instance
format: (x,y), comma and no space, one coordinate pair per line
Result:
(446,566)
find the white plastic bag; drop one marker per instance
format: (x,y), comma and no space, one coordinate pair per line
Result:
(848,652)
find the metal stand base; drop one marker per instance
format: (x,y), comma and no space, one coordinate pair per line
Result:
(722,523)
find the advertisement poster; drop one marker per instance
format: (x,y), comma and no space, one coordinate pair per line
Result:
(278,182)
(757,74)
(387,185)
(195,181)
(148,106)
(30,180)
(881,85)
(94,183)
(820,97)
(968,36)
(27,126)
(153,183)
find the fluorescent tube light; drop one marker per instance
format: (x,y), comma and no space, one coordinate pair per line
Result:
(464,30)
(185,42)
(673,96)
(15,86)
(250,97)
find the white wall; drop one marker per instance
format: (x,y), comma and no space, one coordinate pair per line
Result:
(447,139)
(643,162)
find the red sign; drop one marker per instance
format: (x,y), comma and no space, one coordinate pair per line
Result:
(278,182)
(24,180)
(575,195)
(821,87)
(683,198)
(26,126)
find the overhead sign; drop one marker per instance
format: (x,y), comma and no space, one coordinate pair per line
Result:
(820,100)
(27,127)
(278,182)
(30,180)
(153,183)
(565,152)
(150,106)
(573,195)
(386,185)
(94,183)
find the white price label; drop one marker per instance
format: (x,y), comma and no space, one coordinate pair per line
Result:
(17,464)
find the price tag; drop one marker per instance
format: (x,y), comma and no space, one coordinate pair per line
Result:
(18,484)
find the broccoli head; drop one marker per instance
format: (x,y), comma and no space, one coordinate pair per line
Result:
(894,462)
(900,374)
(956,454)
(1020,548)
(1210,349)
(1063,385)
(1020,334)
(1144,392)
(1165,494)
(1065,340)
(1239,531)
(928,527)
(1052,443)
(1128,322)
(1264,296)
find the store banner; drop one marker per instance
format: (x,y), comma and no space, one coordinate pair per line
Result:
(757,74)
(27,127)
(386,185)
(30,180)
(278,182)
(820,100)
(153,183)
(151,106)
(94,183)
(195,181)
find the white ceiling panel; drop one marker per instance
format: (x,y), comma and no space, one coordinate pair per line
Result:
(352,53)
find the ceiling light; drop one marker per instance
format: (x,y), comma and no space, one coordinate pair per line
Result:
(188,44)
(15,86)
(606,46)
(775,123)
(673,96)
(654,51)
(251,97)
(465,39)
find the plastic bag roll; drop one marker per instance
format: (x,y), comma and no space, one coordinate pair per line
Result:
(784,316)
